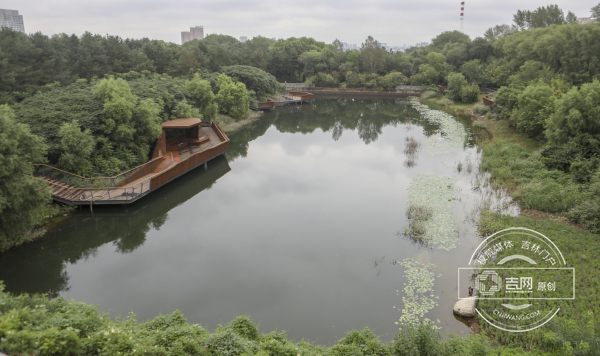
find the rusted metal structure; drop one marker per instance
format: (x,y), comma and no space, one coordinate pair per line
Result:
(487,101)
(266,105)
(184,145)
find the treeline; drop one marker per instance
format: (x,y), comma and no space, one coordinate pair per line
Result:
(42,326)
(30,62)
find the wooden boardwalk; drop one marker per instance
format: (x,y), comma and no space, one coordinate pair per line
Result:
(290,98)
(132,185)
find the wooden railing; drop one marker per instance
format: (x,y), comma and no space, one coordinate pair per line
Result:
(192,161)
(77,181)
(487,101)
(76,189)
(301,94)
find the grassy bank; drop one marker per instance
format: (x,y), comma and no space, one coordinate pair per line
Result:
(230,125)
(514,161)
(546,197)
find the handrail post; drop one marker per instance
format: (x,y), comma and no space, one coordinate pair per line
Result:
(70,196)
(108,192)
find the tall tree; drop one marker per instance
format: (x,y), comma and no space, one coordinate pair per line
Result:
(232,97)
(371,55)
(77,147)
(543,16)
(596,12)
(22,197)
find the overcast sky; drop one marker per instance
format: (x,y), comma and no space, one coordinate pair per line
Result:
(395,22)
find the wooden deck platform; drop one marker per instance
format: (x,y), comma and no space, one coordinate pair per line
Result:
(132,185)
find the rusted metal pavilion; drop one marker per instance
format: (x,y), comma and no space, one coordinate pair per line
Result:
(184,145)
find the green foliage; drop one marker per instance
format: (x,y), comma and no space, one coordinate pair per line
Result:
(448,37)
(77,146)
(456,82)
(128,123)
(322,80)
(360,343)
(200,90)
(470,94)
(474,72)
(23,198)
(256,79)
(596,12)
(543,16)
(494,33)
(244,327)
(575,120)
(417,340)
(480,109)
(183,109)
(232,98)
(587,212)
(460,91)
(506,100)
(536,104)
(372,55)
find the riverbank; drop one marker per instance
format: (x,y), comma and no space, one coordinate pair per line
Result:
(230,125)
(513,161)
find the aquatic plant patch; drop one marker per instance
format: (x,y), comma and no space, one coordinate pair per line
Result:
(418,296)
(453,133)
(429,212)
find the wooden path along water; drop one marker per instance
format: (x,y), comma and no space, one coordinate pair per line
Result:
(290,98)
(172,159)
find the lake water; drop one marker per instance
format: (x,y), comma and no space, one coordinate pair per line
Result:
(299,228)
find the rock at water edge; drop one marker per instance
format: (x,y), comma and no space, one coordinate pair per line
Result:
(466,307)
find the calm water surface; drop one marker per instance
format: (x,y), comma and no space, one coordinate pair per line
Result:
(296,228)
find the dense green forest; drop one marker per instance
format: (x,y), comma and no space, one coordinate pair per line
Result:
(93,105)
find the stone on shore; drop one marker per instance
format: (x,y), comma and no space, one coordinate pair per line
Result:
(466,307)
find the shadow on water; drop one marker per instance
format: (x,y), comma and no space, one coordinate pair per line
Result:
(44,266)
(334,116)
(79,236)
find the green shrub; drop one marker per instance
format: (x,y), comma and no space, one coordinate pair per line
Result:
(429,94)
(548,195)
(469,94)
(232,98)
(481,109)
(456,83)
(244,327)
(417,340)
(536,104)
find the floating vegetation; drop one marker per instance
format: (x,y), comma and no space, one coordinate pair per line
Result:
(411,149)
(418,296)
(417,216)
(429,212)
(453,133)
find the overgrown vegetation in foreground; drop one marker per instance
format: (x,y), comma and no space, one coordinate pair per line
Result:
(40,326)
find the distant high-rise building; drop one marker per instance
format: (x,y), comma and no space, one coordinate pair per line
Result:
(195,33)
(243,38)
(585,20)
(12,19)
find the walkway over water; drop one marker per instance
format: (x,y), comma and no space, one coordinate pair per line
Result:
(290,98)
(172,158)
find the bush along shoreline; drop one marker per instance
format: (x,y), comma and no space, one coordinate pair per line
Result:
(37,325)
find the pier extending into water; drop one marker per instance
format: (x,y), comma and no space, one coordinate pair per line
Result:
(289,98)
(192,145)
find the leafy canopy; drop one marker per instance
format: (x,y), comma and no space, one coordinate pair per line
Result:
(22,197)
